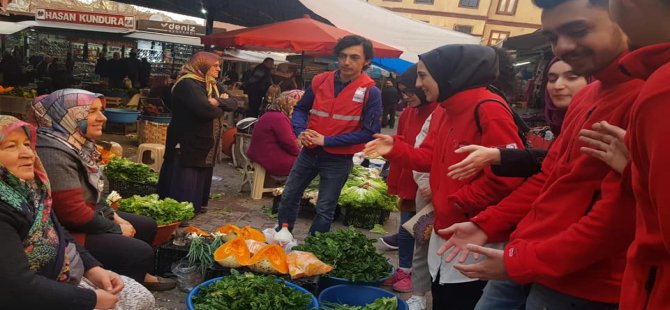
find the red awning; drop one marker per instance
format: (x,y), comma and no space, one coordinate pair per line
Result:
(306,35)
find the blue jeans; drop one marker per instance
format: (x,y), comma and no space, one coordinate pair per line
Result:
(405,242)
(506,295)
(333,170)
(542,297)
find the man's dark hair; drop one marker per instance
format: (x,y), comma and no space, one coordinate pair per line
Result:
(268,59)
(354,40)
(550,4)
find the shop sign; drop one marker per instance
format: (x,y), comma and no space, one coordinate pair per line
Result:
(171,28)
(85,18)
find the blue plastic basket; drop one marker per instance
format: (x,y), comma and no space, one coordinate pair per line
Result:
(357,295)
(326,281)
(189,303)
(121,116)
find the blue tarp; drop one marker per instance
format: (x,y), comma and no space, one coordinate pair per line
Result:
(395,65)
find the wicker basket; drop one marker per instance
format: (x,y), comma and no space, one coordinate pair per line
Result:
(364,218)
(151,132)
(128,189)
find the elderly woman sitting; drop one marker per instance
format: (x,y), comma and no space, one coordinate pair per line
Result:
(273,144)
(42,267)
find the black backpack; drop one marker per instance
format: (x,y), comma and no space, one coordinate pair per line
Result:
(522,128)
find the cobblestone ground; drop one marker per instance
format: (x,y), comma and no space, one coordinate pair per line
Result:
(238,208)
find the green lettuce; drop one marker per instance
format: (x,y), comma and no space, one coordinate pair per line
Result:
(166,211)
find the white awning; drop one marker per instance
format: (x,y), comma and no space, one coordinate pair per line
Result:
(160,37)
(253,56)
(11,27)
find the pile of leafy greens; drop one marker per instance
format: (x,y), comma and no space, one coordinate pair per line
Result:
(122,169)
(248,291)
(166,211)
(352,255)
(387,303)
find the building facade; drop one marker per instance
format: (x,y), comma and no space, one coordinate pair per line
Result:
(491,20)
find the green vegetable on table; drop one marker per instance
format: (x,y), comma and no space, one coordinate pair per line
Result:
(370,193)
(386,303)
(352,255)
(166,211)
(378,229)
(248,291)
(122,169)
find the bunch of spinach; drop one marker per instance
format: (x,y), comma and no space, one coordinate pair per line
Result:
(352,255)
(122,169)
(248,291)
(387,303)
(166,211)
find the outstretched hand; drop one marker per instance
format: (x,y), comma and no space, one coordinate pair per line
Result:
(491,268)
(606,142)
(460,235)
(380,146)
(479,157)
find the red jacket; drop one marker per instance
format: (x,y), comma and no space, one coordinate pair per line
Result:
(648,140)
(401,180)
(575,220)
(456,201)
(331,116)
(273,145)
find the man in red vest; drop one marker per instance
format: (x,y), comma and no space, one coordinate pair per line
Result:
(338,114)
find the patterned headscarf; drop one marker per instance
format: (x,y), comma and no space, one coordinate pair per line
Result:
(63,115)
(32,197)
(196,68)
(286,101)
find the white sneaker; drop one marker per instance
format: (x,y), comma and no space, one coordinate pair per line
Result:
(417,302)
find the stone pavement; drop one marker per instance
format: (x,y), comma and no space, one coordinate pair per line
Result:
(235,207)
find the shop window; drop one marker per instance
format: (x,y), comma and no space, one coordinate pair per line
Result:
(424,1)
(468,3)
(507,7)
(497,37)
(463,28)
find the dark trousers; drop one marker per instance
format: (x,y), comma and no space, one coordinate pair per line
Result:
(131,257)
(333,170)
(456,296)
(388,117)
(255,102)
(190,184)
(544,298)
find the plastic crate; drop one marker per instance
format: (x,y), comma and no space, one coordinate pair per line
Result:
(306,210)
(166,255)
(128,189)
(364,218)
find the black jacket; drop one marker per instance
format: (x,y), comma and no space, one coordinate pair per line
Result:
(192,125)
(519,163)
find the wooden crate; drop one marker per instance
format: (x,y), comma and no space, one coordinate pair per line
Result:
(151,132)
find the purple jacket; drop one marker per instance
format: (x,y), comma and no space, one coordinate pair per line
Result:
(273,145)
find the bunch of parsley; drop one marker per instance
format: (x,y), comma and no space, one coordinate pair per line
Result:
(122,169)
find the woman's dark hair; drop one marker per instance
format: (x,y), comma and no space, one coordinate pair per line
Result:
(354,40)
(507,80)
(550,4)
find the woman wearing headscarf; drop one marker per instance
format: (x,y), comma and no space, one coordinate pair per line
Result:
(401,180)
(562,85)
(457,77)
(273,144)
(69,121)
(194,132)
(42,267)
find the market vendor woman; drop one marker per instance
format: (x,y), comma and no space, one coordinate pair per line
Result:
(41,265)
(68,122)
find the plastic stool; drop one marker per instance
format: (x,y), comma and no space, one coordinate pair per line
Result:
(151,154)
(258,183)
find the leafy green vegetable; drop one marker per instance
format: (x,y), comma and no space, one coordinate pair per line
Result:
(378,229)
(248,291)
(386,303)
(201,251)
(166,211)
(352,255)
(368,194)
(122,169)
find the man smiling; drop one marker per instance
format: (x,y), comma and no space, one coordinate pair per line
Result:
(570,224)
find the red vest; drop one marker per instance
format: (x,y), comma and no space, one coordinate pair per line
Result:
(332,116)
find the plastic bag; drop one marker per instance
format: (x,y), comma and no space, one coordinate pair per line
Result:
(188,276)
(305,264)
(255,246)
(269,234)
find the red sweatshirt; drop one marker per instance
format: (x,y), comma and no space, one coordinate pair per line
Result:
(575,220)
(401,180)
(647,277)
(456,201)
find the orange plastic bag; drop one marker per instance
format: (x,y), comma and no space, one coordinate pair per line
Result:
(271,259)
(305,264)
(233,254)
